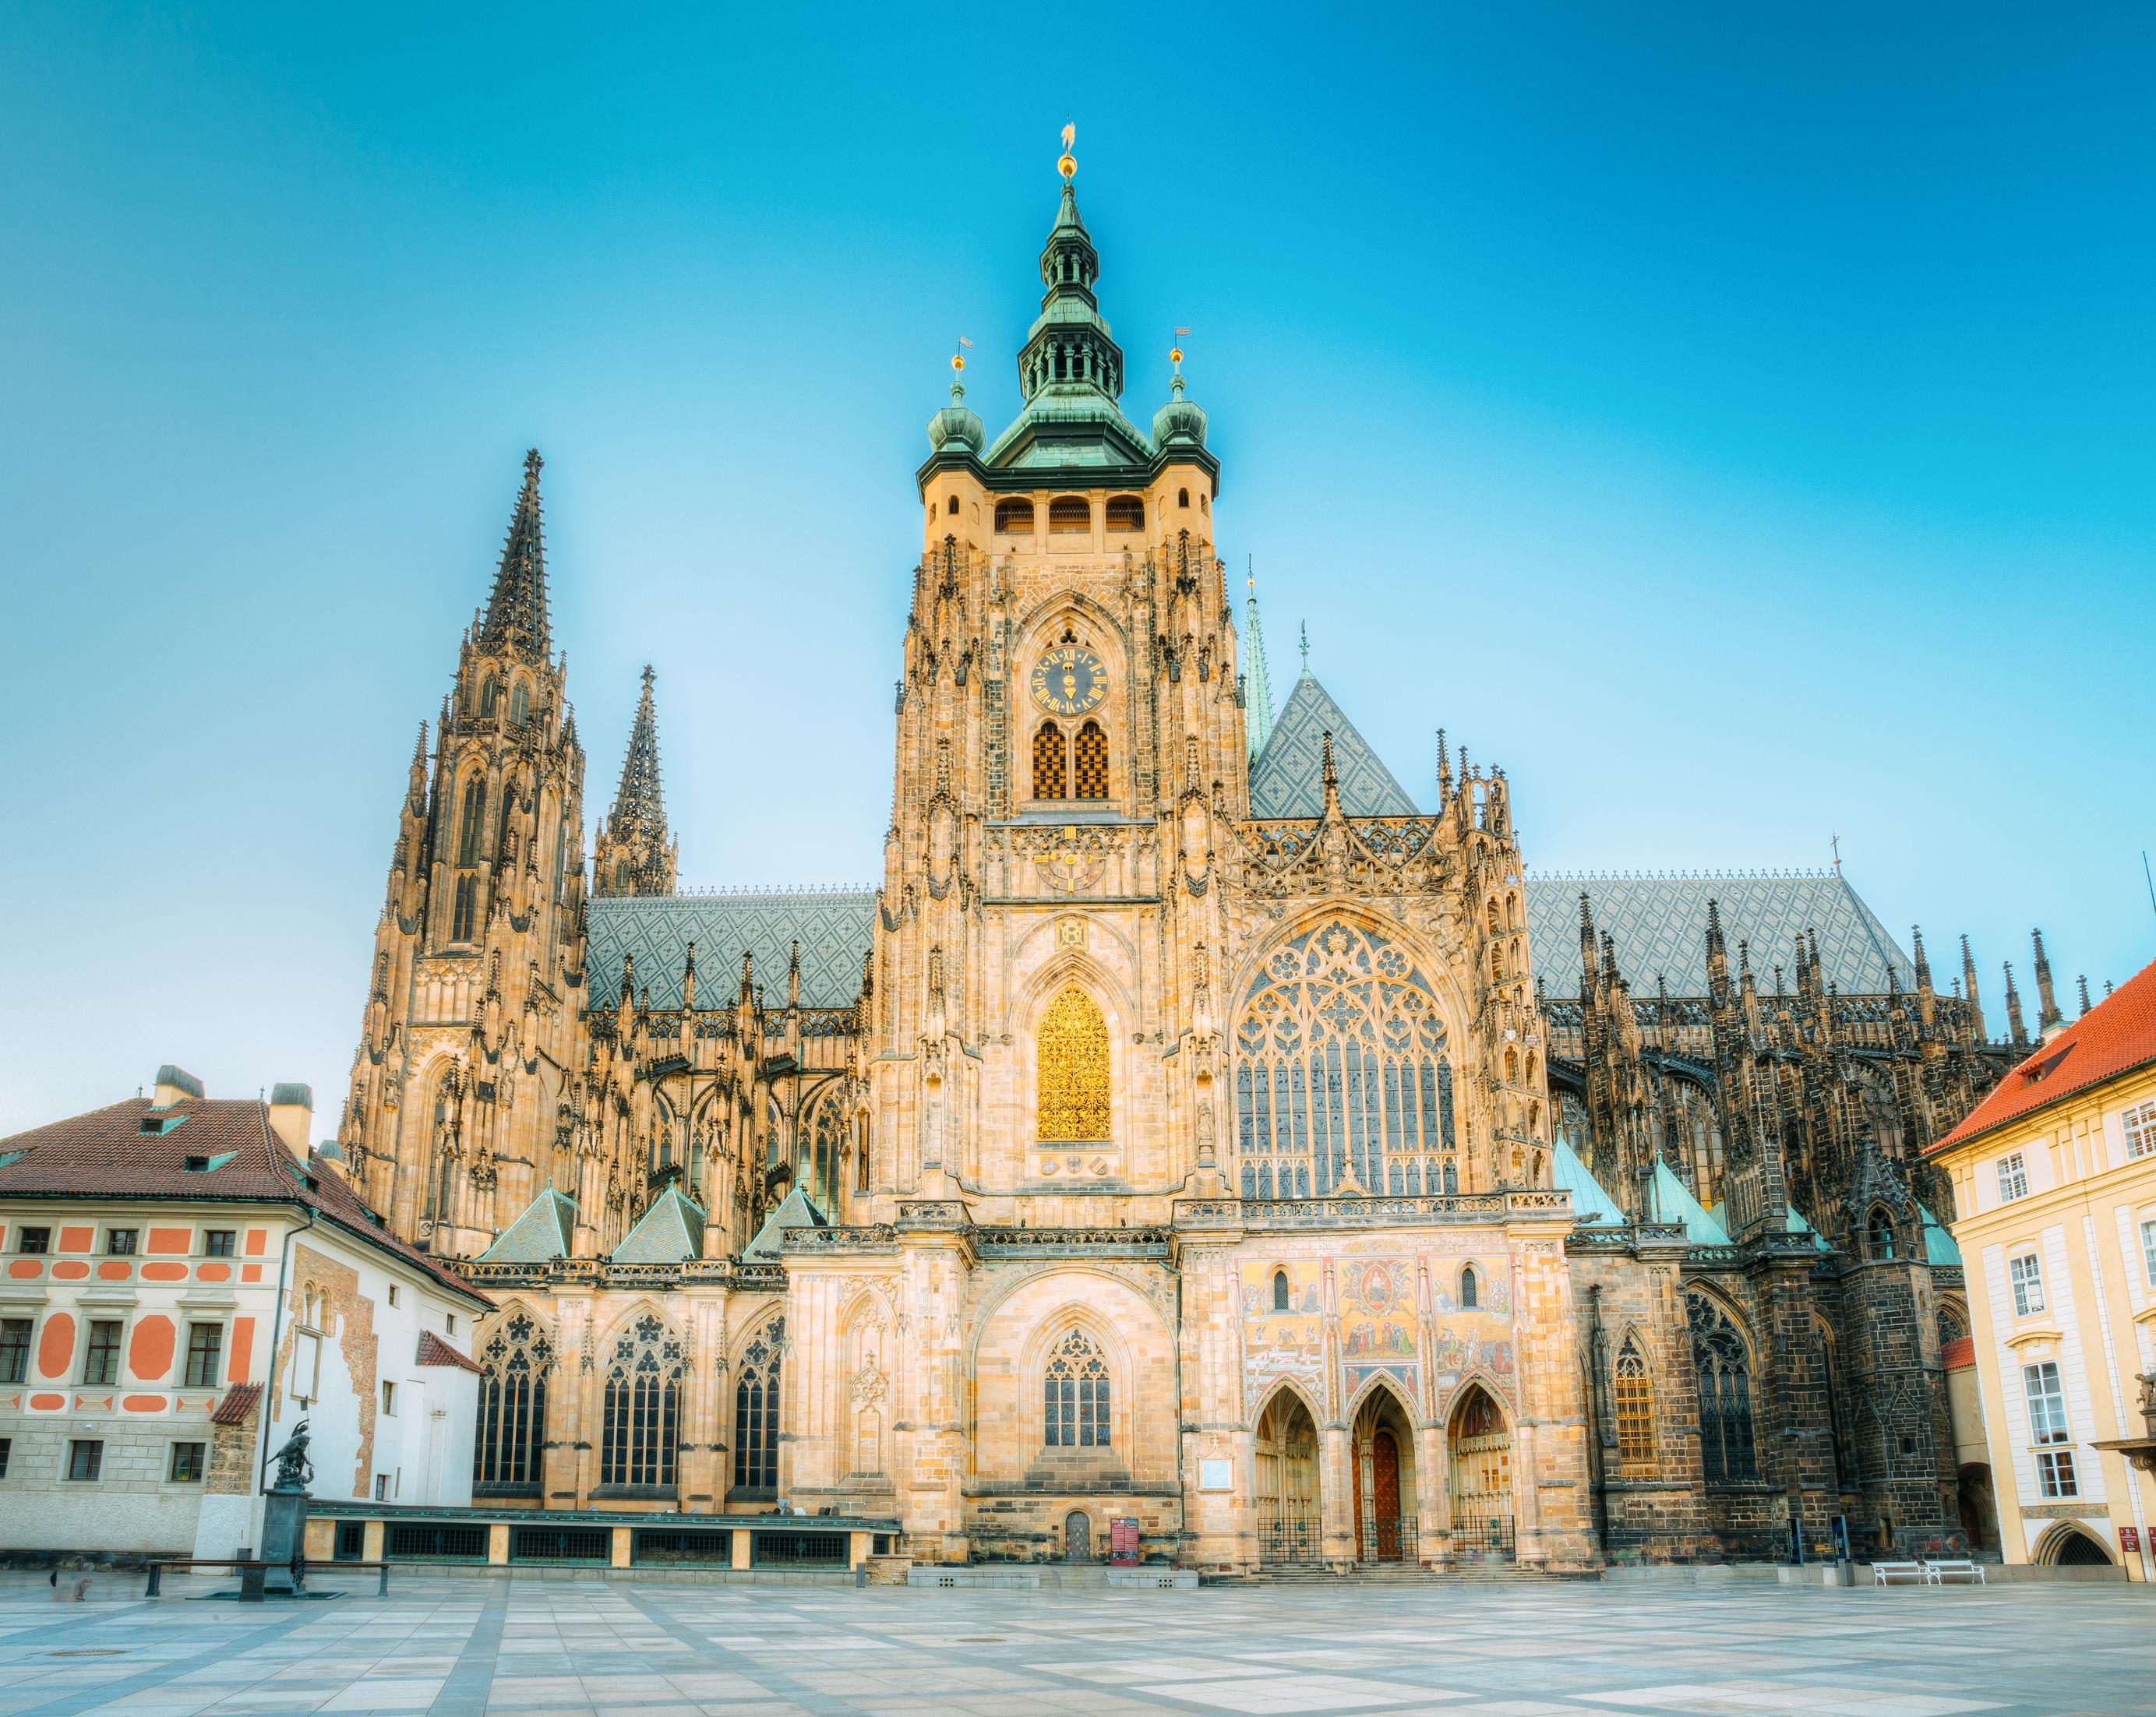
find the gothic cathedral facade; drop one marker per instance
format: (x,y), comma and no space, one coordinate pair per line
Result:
(1178,1139)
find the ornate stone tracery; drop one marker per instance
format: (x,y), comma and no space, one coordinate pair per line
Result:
(1073,1073)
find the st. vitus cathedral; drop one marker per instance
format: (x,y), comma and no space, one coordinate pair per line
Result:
(1181,1133)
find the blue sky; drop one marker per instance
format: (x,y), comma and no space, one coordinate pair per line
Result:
(1734,420)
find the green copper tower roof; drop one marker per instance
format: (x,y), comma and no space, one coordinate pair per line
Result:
(1257,684)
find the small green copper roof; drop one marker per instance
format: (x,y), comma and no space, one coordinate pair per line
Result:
(1939,1248)
(544,1232)
(669,1231)
(1595,1207)
(1257,684)
(794,1212)
(1673,1204)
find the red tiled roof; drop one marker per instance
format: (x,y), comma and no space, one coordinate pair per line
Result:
(1959,1352)
(435,1351)
(2116,1035)
(234,1408)
(105,1154)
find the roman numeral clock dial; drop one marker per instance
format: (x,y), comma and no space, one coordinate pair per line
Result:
(1070,681)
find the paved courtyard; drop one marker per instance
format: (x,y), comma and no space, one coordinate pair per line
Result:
(523,1649)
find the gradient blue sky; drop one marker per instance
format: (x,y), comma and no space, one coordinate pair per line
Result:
(1734,420)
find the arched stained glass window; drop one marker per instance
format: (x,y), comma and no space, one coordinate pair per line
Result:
(1073,1071)
(642,1419)
(1634,1395)
(1470,1289)
(512,1407)
(1342,1085)
(470,830)
(755,1411)
(1280,1291)
(1089,763)
(1724,1367)
(1075,1395)
(1049,777)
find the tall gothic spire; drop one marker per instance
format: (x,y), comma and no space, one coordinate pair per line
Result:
(634,854)
(516,619)
(2049,1018)
(1258,686)
(2017,1032)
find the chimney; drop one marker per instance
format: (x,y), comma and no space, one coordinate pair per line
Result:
(292,1116)
(175,1085)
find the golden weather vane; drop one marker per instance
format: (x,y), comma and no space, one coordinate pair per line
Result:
(1067,164)
(1175,350)
(959,357)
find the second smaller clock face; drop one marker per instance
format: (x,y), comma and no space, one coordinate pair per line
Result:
(1069,680)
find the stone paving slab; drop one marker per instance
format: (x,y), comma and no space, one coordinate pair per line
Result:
(479,1647)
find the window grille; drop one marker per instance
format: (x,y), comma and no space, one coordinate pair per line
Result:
(755,1411)
(1635,1413)
(1074,1392)
(1342,1084)
(512,1407)
(1049,778)
(642,1410)
(797,1550)
(351,1545)
(1089,763)
(2027,1276)
(1014,517)
(418,1541)
(2013,1177)
(1723,1364)
(560,1544)
(2139,1125)
(1070,513)
(1125,512)
(711,1549)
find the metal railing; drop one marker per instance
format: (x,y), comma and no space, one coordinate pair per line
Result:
(1482,1534)
(1393,1540)
(1289,1536)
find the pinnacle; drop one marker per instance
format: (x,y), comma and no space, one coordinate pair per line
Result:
(515,617)
(639,805)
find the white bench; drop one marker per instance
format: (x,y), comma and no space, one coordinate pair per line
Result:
(1884,1573)
(1938,1572)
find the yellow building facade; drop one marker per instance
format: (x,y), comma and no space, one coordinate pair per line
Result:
(2054,1178)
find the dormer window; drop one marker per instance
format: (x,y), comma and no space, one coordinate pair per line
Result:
(1070,514)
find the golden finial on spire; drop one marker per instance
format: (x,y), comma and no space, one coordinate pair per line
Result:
(1067,164)
(1175,351)
(959,357)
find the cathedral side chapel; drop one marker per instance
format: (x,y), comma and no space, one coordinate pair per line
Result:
(1179,1135)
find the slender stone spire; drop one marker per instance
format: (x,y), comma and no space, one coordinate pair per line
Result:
(2083,982)
(2049,1018)
(2017,1032)
(1257,683)
(635,854)
(515,621)
(1969,991)
(1924,965)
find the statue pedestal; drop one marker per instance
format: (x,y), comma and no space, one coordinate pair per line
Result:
(283,1532)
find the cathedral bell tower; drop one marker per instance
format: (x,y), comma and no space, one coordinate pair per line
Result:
(458,1110)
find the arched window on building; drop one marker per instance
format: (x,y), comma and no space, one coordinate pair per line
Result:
(1635,1399)
(490,693)
(640,1427)
(442,1144)
(1075,1395)
(756,1411)
(1014,518)
(952,506)
(1089,763)
(1125,512)
(1880,1236)
(1182,497)
(1049,780)
(464,908)
(512,1408)
(1280,1291)
(1724,1367)
(1072,1074)
(1953,1321)
(520,704)
(1069,514)
(1342,1078)
(471,829)
(1469,1289)
(862,1153)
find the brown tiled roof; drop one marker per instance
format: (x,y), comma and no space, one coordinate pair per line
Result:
(435,1351)
(2116,1035)
(234,1408)
(107,1154)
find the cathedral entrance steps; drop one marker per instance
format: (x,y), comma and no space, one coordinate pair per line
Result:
(1044,1576)
(1463,1573)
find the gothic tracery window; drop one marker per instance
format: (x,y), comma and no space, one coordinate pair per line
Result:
(512,1407)
(474,823)
(1724,1367)
(642,1418)
(755,1411)
(1049,777)
(1073,1071)
(1089,763)
(1075,1395)
(1341,1080)
(1635,1399)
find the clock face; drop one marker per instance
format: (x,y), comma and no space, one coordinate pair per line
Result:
(1069,680)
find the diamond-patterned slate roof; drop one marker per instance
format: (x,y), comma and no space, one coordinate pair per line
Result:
(1288,779)
(543,1234)
(832,927)
(1658,924)
(794,1212)
(669,1231)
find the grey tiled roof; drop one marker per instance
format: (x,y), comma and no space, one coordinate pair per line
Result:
(1658,924)
(544,1232)
(670,1231)
(794,1212)
(1288,779)
(832,927)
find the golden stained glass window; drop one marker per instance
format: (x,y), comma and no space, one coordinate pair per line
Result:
(1089,763)
(1635,1413)
(1074,1070)
(1048,761)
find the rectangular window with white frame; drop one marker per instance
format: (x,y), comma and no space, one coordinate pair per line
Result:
(2149,1250)
(2013,1177)
(2027,1277)
(2139,1125)
(2048,1430)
